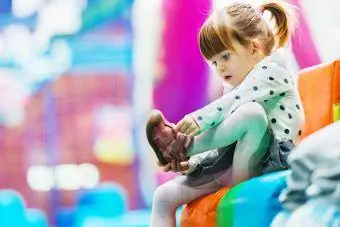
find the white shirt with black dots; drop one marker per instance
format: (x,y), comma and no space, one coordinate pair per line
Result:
(271,85)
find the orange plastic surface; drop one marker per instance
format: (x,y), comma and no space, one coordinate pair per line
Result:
(319,89)
(202,212)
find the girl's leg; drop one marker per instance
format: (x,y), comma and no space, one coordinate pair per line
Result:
(248,125)
(178,191)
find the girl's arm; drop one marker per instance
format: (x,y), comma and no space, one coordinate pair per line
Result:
(266,81)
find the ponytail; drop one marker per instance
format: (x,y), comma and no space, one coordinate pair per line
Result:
(284,15)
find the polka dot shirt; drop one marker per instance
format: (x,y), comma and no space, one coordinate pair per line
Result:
(272,86)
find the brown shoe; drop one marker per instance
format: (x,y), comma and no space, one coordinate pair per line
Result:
(167,144)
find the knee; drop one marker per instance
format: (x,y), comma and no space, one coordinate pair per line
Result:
(165,199)
(255,115)
(161,193)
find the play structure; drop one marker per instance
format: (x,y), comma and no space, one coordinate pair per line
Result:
(13,211)
(255,202)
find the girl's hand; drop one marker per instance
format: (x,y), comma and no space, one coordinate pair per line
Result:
(175,166)
(188,126)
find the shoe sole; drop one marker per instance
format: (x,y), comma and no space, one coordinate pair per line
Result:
(155,119)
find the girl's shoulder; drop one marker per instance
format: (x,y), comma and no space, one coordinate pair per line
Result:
(271,69)
(272,73)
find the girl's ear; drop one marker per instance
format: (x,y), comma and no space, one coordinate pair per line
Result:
(255,47)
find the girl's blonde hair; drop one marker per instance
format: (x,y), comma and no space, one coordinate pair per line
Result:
(242,22)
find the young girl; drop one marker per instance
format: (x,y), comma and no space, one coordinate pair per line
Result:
(253,127)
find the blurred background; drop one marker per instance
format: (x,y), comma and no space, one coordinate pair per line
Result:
(77,80)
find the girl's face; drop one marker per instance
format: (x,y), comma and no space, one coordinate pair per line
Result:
(234,65)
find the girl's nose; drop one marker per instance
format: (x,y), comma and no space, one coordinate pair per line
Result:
(221,68)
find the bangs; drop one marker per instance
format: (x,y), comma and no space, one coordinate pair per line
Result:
(214,38)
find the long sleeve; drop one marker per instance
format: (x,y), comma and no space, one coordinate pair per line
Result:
(266,81)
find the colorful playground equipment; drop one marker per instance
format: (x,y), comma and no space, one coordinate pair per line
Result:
(13,211)
(255,202)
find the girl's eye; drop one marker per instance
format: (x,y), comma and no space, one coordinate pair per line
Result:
(214,63)
(225,56)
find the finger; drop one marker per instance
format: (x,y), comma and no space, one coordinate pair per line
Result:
(173,166)
(178,166)
(184,127)
(194,133)
(179,125)
(181,138)
(189,130)
(184,166)
(188,142)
